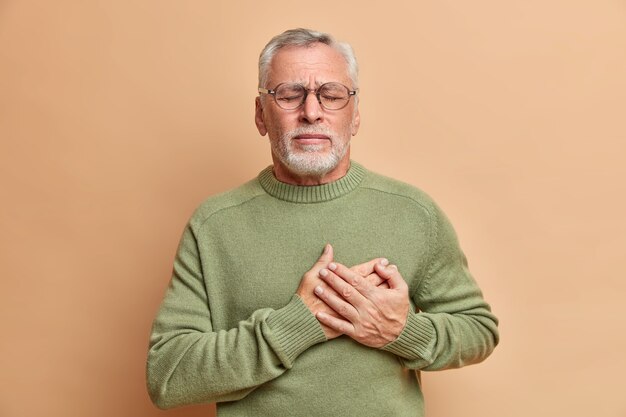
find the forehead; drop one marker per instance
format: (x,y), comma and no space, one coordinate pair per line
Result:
(318,64)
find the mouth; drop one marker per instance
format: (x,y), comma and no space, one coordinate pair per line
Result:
(311,138)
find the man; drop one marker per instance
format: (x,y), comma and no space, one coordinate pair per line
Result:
(258,321)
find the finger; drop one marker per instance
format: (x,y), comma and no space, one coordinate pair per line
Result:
(340,305)
(391,275)
(367,268)
(349,276)
(337,324)
(327,289)
(350,293)
(383,284)
(326,257)
(375,280)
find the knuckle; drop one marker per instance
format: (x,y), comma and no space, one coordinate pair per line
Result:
(343,310)
(364,332)
(346,292)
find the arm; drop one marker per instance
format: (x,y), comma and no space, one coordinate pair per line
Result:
(190,362)
(454,328)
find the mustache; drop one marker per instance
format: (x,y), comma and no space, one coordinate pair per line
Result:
(310,130)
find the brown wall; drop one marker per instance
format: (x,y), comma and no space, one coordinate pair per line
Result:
(118,117)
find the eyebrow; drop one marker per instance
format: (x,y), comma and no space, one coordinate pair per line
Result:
(317,84)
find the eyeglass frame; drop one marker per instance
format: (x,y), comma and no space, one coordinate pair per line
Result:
(272,92)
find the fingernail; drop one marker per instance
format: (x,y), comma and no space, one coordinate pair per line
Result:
(323,273)
(384,262)
(326,248)
(332,266)
(393,266)
(318,290)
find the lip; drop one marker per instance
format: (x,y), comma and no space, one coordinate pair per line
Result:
(312,136)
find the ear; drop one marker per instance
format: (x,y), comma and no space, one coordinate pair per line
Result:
(356,122)
(258,117)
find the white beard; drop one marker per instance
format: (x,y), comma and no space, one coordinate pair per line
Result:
(308,160)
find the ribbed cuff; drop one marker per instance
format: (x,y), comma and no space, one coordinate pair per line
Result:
(293,330)
(416,340)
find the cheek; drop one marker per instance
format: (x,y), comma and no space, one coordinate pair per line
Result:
(348,124)
(277,125)
(275,131)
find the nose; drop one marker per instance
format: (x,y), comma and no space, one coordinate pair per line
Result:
(311,111)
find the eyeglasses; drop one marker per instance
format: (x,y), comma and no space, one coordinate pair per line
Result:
(290,96)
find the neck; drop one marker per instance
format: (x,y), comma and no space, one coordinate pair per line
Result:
(314,193)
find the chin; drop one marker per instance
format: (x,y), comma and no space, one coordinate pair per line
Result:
(311,165)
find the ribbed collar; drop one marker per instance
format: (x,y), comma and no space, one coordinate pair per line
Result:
(312,193)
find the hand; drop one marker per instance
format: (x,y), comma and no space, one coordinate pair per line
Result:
(371,315)
(311,279)
(367,271)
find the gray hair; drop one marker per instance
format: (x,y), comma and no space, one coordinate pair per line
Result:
(306,37)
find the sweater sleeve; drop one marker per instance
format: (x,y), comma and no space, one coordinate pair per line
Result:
(454,325)
(190,362)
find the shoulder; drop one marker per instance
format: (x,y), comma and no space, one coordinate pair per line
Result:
(398,191)
(217,203)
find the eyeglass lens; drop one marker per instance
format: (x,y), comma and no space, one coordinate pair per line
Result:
(333,96)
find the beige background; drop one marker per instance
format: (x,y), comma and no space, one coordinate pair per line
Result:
(117,118)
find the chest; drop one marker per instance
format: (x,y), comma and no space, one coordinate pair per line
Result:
(256,259)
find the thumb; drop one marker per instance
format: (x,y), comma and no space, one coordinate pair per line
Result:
(327,255)
(367,268)
(390,274)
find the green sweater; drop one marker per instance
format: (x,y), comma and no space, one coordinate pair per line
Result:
(230,329)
